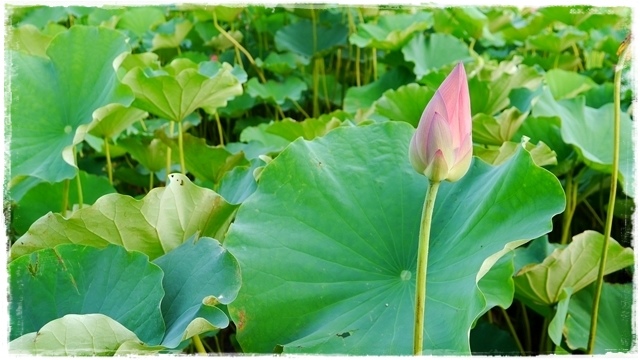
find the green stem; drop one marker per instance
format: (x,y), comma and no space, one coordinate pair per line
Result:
(295,103)
(512,330)
(374,58)
(171,124)
(527,328)
(215,338)
(617,81)
(324,85)
(543,336)
(239,47)
(78,182)
(571,191)
(316,81)
(421,273)
(183,168)
(219,125)
(150,180)
(109,165)
(65,197)
(198,344)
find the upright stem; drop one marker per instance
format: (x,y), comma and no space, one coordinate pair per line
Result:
(78,182)
(617,80)
(219,125)
(571,191)
(65,197)
(183,169)
(171,124)
(198,344)
(316,81)
(150,180)
(512,330)
(108,155)
(421,275)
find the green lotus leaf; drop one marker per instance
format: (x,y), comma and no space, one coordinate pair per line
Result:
(574,267)
(198,274)
(308,129)
(259,134)
(212,68)
(298,38)
(462,22)
(181,89)
(142,60)
(105,17)
(437,51)
(84,335)
(342,212)
(614,319)
(534,253)
(154,225)
(206,162)
(556,42)
(391,32)
(600,95)
(492,95)
(406,103)
(520,29)
(53,99)
(283,63)
(238,106)
(149,151)
(564,61)
(227,13)
(44,15)
(277,92)
(540,153)
(109,121)
(566,84)
(547,130)
(76,279)
(491,130)
(361,98)
(139,20)
(237,184)
(29,40)
(46,197)
(168,35)
(524,98)
(556,324)
(590,131)
(497,285)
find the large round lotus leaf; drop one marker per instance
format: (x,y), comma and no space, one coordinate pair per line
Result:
(327,244)
(615,319)
(155,225)
(407,103)
(556,42)
(75,279)
(53,99)
(434,53)
(179,89)
(391,32)
(292,88)
(198,275)
(29,39)
(298,38)
(590,131)
(85,335)
(574,266)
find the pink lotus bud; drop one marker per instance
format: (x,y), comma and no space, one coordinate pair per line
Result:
(441,147)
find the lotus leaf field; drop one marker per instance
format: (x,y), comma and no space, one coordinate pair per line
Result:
(215,179)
